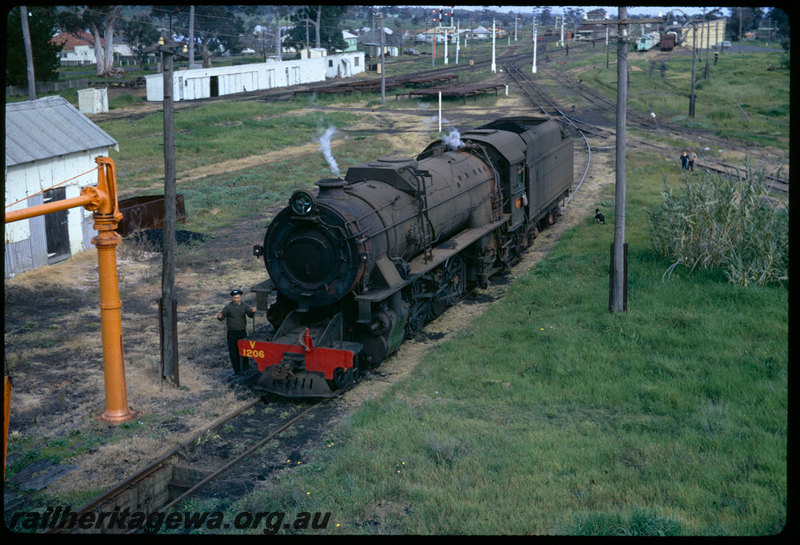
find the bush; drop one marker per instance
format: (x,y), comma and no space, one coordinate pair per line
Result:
(724,222)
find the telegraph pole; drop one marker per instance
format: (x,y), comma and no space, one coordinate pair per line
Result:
(617,297)
(383,67)
(458,39)
(191,36)
(694,62)
(618,301)
(707,26)
(168,305)
(533,69)
(435,36)
(494,33)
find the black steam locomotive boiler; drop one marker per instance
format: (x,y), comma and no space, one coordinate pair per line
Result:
(361,263)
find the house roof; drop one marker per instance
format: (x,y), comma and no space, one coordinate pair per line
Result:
(69,41)
(49,127)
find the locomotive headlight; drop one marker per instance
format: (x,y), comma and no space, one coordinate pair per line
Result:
(302,202)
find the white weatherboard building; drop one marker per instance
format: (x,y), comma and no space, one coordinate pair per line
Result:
(227,80)
(48,141)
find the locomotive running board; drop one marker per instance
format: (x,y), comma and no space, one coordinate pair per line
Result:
(440,254)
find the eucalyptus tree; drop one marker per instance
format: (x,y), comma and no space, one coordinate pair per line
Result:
(216,28)
(96,20)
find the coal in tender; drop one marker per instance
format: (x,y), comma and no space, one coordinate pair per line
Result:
(154,238)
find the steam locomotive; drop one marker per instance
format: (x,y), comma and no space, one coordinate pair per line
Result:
(362,263)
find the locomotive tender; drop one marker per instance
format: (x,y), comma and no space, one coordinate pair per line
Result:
(363,262)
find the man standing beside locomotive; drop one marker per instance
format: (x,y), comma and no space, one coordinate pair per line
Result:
(236,314)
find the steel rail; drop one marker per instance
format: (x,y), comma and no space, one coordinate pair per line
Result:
(241,456)
(151,468)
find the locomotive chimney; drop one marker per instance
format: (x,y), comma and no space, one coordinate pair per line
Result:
(331,187)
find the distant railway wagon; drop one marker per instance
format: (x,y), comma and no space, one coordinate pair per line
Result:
(668,41)
(648,41)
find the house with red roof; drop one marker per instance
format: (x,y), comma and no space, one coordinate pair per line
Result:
(79,50)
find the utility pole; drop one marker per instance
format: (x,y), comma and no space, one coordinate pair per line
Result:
(383,68)
(435,35)
(618,297)
(707,26)
(169,318)
(533,69)
(458,39)
(740,24)
(446,29)
(168,305)
(694,63)
(191,37)
(494,33)
(446,59)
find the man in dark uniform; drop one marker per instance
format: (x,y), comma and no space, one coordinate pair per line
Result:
(236,314)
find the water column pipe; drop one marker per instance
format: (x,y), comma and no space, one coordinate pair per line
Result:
(102,200)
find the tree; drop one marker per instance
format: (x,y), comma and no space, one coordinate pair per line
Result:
(305,16)
(26,40)
(276,16)
(216,28)
(76,19)
(42,25)
(326,22)
(781,19)
(744,19)
(139,34)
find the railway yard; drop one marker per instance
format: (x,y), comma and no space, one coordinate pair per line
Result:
(212,439)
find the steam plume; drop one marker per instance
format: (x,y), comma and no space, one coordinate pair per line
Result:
(453,140)
(325,148)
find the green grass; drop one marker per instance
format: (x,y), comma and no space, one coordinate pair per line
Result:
(208,134)
(548,414)
(216,202)
(739,84)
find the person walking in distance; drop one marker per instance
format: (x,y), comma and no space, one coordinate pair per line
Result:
(692,158)
(236,313)
(685,160)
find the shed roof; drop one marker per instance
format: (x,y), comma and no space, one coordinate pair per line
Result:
(49,127)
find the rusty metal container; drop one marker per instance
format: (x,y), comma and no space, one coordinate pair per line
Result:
(147,212)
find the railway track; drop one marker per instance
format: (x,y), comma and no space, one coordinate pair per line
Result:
(198,463)
(541,101)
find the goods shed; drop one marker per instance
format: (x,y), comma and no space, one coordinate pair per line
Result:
(227,80)
(48,142)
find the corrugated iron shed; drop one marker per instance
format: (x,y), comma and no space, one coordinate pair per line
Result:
(49,127)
